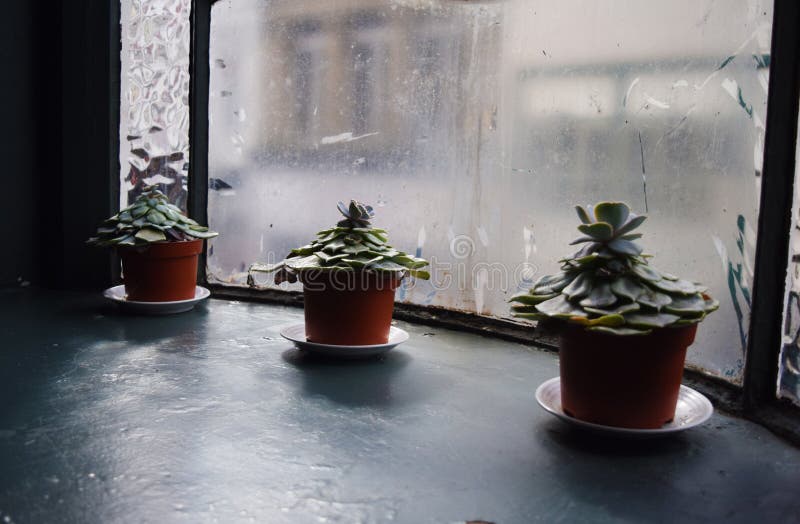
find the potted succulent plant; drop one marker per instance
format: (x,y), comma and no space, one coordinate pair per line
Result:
(624,326)
(349,275)
(159,246)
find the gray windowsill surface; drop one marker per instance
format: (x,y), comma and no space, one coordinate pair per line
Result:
(210,416)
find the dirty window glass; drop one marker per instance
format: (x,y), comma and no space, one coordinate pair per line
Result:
(474,127)
(154,103)
(789,375)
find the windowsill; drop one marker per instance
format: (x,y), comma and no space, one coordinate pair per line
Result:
(212,415)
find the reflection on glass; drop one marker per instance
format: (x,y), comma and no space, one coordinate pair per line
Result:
(473,127)
(154,107)
(789,375)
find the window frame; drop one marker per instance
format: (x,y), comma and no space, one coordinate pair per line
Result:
(757,399)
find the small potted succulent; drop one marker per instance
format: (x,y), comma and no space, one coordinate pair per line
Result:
(349,275)
(159,246)
(624,326)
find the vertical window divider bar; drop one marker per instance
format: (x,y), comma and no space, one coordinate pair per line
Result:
(774,218)
(200,23)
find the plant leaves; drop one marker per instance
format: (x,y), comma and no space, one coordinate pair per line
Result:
(651,320)
(580,287)
(645,272)
(627,288)
(600,296)
(614,213)
(583,215)
(149,234)
(559,307)
(653,299)
(633,222)
(599,231)
(619,331)
(624,247)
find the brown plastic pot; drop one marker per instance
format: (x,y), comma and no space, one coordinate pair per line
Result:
(351,308)
(624,381)
(161,272)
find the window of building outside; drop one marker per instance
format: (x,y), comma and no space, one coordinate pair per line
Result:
(472,128)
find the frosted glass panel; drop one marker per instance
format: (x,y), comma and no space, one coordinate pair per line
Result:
(473,128)
(154,112)
(789,374)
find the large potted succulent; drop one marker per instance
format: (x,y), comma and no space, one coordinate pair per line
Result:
(624,325)
(158,245)
(349,275)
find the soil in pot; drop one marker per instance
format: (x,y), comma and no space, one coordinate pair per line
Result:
(161,272)
(351,308)
(624,381)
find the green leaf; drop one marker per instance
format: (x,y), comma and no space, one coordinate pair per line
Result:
(654,320)
(653,299)
(683,306)
(624,247)
(149,234)
(583,215)
(620,331)
(645,272)
(201,234)
(156,217)
(600,231)
(580,287)
(633,222)
(420,274)
(600,296)
(631,236)
(683,287)
(329,259)
(614,213)
(607,320)
(552,283)
(581,240)
(559,307)
(627,288)
(619,310)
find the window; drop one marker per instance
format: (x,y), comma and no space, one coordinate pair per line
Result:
(154,112)
(474,126)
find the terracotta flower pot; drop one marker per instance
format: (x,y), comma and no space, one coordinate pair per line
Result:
(348,307)
(161,272)
(623,381)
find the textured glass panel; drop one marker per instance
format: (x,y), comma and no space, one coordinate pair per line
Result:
(154,107)
(789,376)
(474,127)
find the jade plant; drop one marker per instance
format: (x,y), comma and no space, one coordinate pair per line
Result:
(352,245)
(609,285)
(151,218)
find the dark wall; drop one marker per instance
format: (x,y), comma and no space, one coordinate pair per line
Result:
(18,222)
(59,140)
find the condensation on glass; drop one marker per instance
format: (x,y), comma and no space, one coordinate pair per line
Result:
(154,105)
(474,127)
(789,368)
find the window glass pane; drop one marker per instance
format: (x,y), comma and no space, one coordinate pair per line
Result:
(154,105)
(474,127)
(789,376)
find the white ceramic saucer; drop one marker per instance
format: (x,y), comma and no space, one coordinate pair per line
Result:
(693,409)
(297,334)
(117,295)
